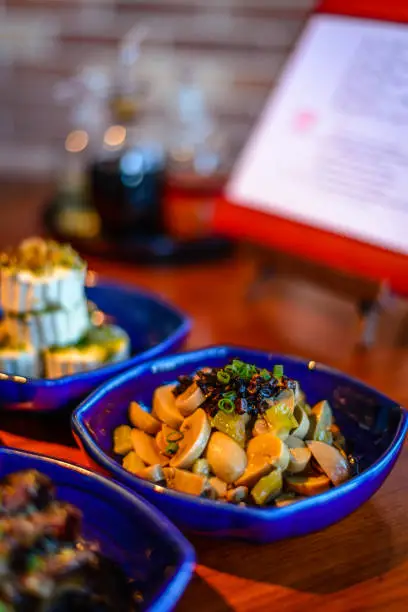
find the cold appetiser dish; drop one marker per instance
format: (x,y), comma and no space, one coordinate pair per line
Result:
(237,434)
(45,564)
(48,328)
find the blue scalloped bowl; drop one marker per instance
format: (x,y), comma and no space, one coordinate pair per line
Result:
(151,551)
(373,423)
(155,328)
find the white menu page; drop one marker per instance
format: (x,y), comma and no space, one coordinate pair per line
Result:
(331,147)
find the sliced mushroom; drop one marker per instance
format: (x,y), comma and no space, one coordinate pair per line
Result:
(143,420)
(299,459)
(201,466)
(152,473)
(267,488)
(122,442)
(272,448)
(196,431)
(308,485)
(163,437)
(237,495)
(219,486)
(190,400)
(321,420)
(294,442)
(146,448)
(185,482)
(226,458)
(164,407)
(301,430)
(258,466)
(332,462)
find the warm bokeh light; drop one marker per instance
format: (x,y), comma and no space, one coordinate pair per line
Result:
(114,136)
(76,141)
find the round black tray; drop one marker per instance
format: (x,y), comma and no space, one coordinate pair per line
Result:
(159,249)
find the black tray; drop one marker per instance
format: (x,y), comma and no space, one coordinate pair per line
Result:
(159,249)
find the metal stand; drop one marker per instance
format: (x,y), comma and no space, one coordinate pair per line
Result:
(370,302)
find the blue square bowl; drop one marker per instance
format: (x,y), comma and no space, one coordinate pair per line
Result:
(155,328)
(151,551)
(373,423)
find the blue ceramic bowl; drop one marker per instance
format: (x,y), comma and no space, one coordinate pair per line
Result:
(374,424)
(130,531)
(155,328)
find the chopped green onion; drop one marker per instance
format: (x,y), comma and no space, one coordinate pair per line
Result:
(278,371)
(223,377)
(226,405)
(175,436)
(265,374)
(172,448)
(231,395)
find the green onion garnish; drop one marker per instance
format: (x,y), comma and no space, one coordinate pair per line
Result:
(278,371)
(231,395)
(265,374)
(174,436)
(226,405)
(223,377)
(172,448)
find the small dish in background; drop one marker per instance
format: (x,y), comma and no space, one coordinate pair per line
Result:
(151,551)
(155,328)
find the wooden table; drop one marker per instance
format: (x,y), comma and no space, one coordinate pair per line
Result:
(359,564)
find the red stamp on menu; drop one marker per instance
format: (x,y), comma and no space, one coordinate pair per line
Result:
(304,121)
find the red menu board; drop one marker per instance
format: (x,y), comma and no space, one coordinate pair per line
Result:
(324,173)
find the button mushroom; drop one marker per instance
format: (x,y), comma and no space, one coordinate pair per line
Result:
(321,420)
(143,420)
(272,448)
(219,486)
(267,488)
(299,459)
(164,407)
(332,462)
(190,400)
(237,495)
(226,458)
(146,448)
(185,482)
(196,431)
(301,430)
(307,485)
(294,442)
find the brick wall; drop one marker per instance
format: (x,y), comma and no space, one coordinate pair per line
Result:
(235,49)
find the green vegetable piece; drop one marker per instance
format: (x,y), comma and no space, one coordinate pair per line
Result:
(201,467)
(226,405)
(265,374)
(122,443)
(223,377)
(232,425)
(321,420)
(278,371)
(280,415)
(132,463)
(267,488)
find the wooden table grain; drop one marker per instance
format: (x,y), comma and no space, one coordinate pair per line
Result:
(360,564)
